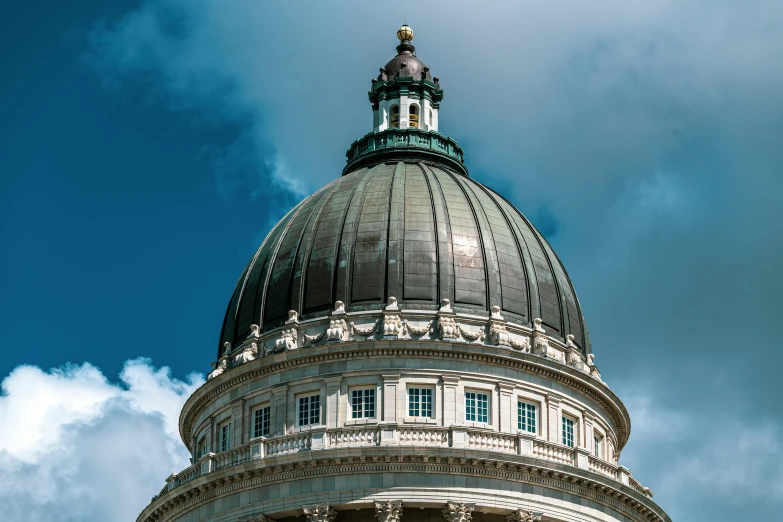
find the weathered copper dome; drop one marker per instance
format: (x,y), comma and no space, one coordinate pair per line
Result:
(420,231)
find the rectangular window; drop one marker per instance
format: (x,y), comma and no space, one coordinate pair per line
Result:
(225,437)
(597,440)
(526,417)
(476,407)
(420,402)
(309,410)
(261,422)
(363,403)
(568,432)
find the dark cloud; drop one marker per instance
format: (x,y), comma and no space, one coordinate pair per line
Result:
(649,129)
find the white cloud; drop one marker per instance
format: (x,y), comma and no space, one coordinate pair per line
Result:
(82,448)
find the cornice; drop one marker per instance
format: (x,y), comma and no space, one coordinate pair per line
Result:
(273,470)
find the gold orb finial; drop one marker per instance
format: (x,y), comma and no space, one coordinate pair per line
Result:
(405,33)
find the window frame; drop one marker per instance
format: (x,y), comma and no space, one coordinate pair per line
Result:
(432,400)
(488,406)
(254,421)
(598,445)
(226,431)
(392,123)
(567,421)
(524,427)
(201,446)
(309,396)
(362,392)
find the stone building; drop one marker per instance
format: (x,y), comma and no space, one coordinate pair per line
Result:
(404,345)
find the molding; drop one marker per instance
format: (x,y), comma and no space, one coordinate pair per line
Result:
(582,483)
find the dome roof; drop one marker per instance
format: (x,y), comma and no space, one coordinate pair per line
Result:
(415,230)
(406,65)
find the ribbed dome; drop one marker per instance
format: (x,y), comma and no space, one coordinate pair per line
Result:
(417,231)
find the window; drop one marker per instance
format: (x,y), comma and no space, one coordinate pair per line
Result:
(395,116)
(413,117)
(225,437)
(420,402)
(526,417)
(309,410)
(476,407)
(568,432)
(363,403)
(597,442)
(261,422)
(201,447)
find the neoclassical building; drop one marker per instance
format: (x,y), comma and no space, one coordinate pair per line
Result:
(404,346)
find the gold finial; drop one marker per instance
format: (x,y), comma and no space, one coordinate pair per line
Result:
(405,33)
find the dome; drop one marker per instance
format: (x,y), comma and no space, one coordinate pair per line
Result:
(420,231)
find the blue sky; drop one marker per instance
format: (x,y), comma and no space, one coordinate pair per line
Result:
(149,146)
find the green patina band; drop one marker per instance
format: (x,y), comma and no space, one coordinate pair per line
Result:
(404,144)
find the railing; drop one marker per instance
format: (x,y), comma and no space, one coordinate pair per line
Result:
(189,474)
(407,139)
(492,441)
(432,436)
(352,437)
(232,457)
(424,436)
(287,444)
(599,466)
(638,487)
(555,452)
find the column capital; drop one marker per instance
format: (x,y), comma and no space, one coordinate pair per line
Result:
(522,515)
(331,381)
(389,378)
(553,400)
(389,511)
(505,388)
(458,511)
(319,513)
(255,518)
(450,380)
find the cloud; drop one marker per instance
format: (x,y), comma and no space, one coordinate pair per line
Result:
(716,466)
(643,137)
(83,448)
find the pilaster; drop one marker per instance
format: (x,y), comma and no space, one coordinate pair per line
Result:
(279,408)
(553,407)
(450,384)
(507,424)
(333,401)
(391,383)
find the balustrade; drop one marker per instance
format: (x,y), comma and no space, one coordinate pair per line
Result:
(351,437)
(432,436)
(599,466)
(555,452)
(288,444)
(492,441)
(365,436)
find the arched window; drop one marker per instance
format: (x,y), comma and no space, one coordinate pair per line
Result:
(413,119)
(395,116)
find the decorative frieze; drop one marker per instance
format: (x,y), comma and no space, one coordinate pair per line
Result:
(319,513)
(389,511)
(458,511)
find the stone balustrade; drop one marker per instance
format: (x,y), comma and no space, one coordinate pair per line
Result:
(601,466)
(492,441)
(554,452)
(286,444)
(369,436)
(424,436)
